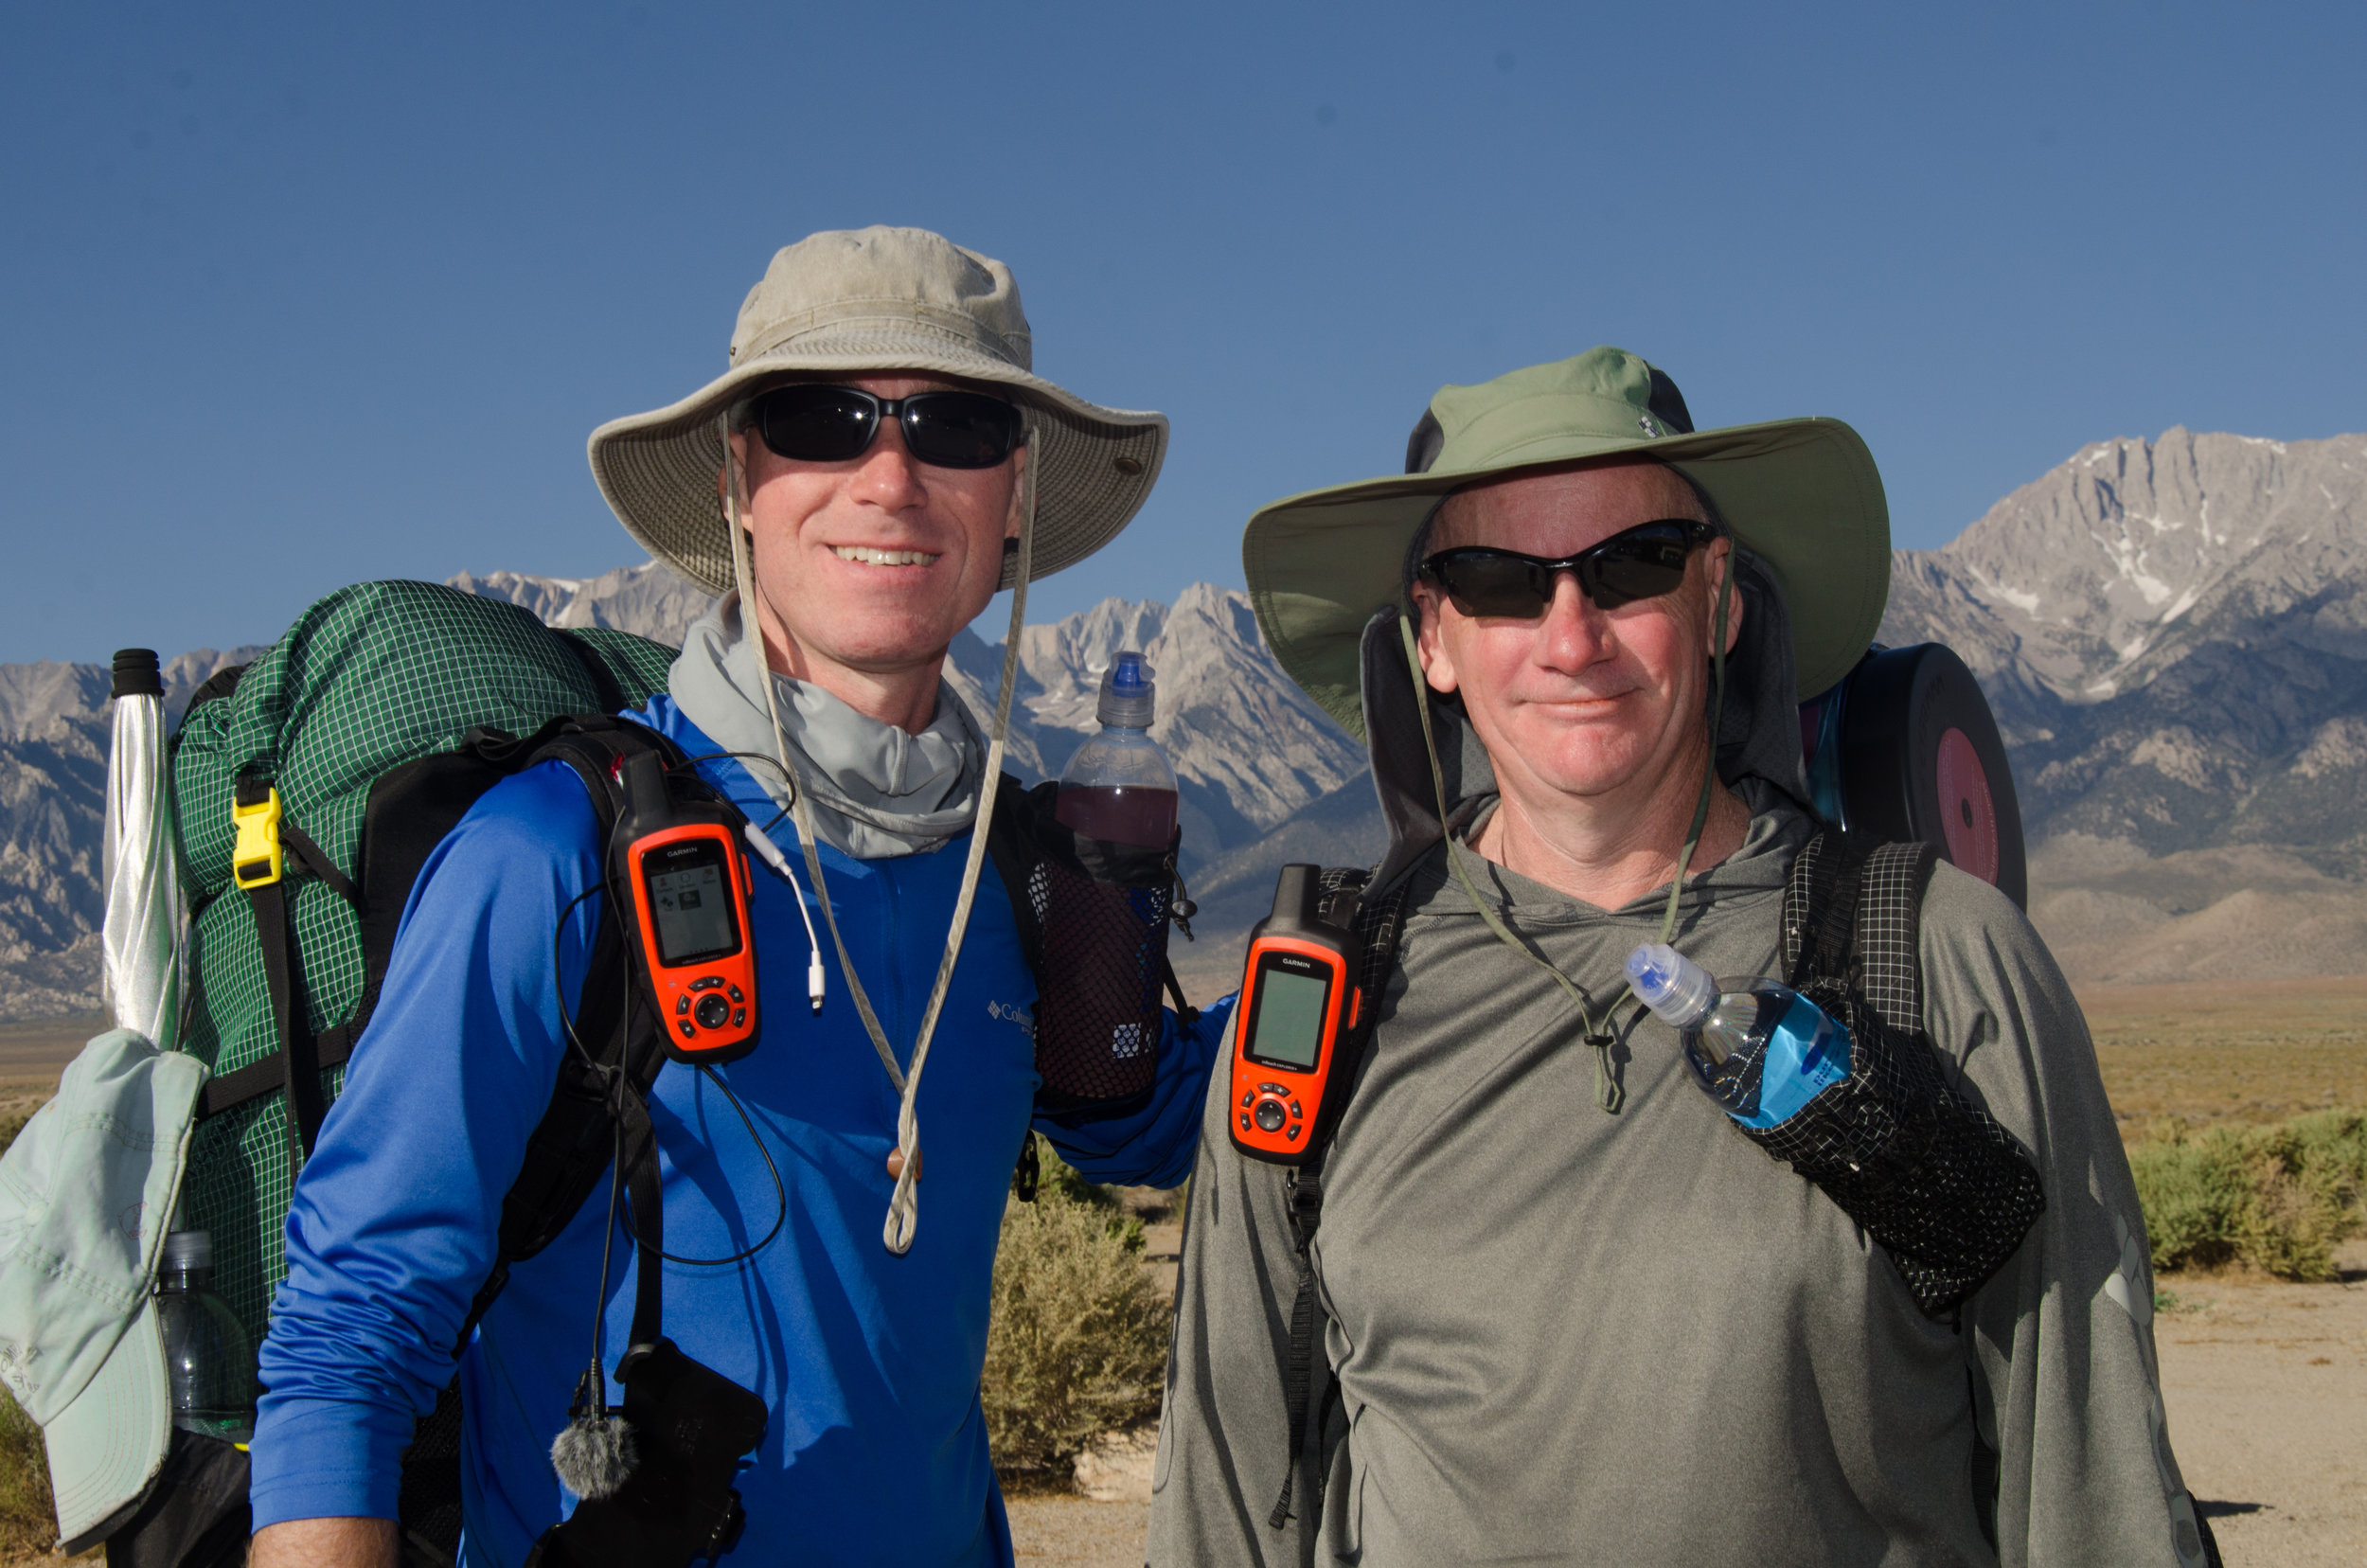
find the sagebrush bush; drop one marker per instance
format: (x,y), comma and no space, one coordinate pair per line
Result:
(2277,1198)
(28,1523)
(1079,1342)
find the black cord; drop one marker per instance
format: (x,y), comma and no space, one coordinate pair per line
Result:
(608,1245)
(789,779)
(619,1206)
(595,1388)
(558,993)
(780,1190)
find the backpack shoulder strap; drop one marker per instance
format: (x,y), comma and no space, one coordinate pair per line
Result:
(1821,907)
(1379,921)
(571,1147)
(1853,913)
(614,1042)
(1889,932)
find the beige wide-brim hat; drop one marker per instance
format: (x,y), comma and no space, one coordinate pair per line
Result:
(878,299)
(1801,494)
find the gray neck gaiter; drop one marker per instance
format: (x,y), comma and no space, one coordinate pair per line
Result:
(876,791)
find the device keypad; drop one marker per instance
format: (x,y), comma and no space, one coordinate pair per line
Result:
(1272,1108)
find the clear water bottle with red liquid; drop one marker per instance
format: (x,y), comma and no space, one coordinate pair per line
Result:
(1105,910)
(1118,786)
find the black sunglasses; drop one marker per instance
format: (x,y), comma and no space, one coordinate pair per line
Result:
(1641,563)
(829,424)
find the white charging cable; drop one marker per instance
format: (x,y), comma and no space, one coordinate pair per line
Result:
(771,854)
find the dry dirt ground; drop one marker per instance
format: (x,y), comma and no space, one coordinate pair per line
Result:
(1070,1532)
(32,1055)
(2266,1385)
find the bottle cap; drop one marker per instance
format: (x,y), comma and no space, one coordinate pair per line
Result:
(1678,990)
(193,1249)
(137,673)
(1128,695)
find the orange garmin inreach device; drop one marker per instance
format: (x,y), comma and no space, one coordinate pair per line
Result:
(1298,1003)
(690,886)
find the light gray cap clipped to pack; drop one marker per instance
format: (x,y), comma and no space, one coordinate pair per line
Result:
(87,1193)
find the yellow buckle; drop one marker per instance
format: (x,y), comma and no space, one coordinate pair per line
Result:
(258,859)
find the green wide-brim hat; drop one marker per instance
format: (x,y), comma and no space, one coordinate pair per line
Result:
(1801,494)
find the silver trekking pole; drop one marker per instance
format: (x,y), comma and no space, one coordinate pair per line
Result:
(147,922)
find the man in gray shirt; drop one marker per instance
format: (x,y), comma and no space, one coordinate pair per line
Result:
(1563,1312)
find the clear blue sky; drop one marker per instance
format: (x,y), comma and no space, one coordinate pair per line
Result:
(301,296)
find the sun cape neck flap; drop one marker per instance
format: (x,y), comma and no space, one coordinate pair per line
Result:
(876,789)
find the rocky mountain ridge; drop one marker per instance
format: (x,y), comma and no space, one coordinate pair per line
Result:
(54,736)
(2173,633)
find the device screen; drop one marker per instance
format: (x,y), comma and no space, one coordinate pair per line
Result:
(691,902)
(1289,1028)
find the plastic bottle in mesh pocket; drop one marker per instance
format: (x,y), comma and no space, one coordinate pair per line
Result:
(1820,1084)
(1101,892)
(1098,1019)
(1758,1047)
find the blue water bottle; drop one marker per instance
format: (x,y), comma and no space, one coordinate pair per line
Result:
(1758,1047)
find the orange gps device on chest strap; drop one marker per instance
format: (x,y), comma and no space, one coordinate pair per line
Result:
(1299,1003)
(690,886)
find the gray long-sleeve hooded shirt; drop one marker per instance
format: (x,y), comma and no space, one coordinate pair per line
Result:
(1554,1335)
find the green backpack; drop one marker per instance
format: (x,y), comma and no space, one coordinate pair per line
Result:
(359,737)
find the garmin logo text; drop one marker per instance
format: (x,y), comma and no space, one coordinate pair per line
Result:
(1023,1017)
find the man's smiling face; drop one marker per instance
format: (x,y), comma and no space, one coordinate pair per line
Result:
(872,565)
(1581,702)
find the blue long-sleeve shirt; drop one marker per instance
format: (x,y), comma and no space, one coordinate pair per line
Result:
(868,1364)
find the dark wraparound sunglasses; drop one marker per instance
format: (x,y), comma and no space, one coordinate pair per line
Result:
(829,424)
(1641,563)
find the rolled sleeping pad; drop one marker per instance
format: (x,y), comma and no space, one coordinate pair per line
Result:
(1905,748)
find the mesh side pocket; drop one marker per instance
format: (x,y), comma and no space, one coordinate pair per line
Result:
(1930,1176)
(1101,927)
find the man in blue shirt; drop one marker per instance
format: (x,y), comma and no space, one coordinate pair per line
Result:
(886,460)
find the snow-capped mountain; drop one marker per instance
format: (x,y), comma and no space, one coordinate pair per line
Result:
(2174,633)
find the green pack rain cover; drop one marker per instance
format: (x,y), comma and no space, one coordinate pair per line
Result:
(370,678)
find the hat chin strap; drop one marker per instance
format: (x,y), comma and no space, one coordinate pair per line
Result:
(903,1215)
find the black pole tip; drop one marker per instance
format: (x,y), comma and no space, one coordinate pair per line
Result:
(137,673)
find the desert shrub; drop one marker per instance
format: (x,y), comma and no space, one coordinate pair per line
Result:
(1151,1205)
(29,1525)
(2277,1198)
(1060,1178)
(2194,1192)
(1078,1343)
